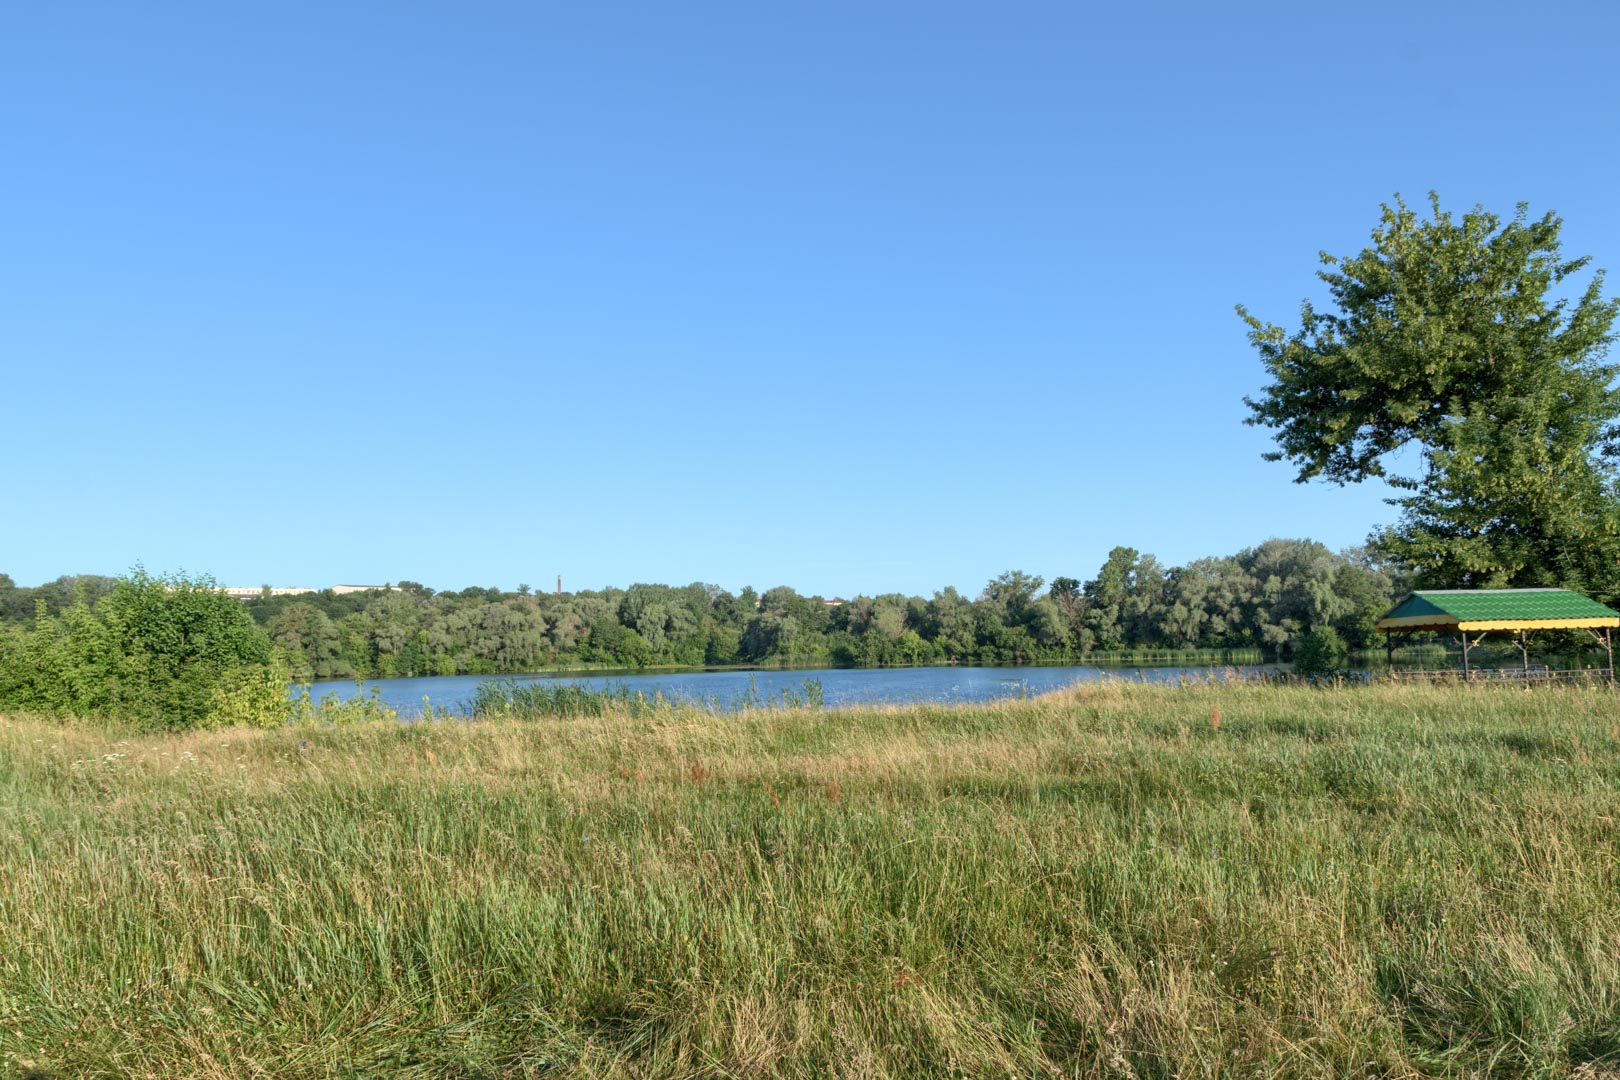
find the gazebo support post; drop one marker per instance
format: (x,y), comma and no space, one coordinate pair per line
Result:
(1607,641)
(1468,674)
(1524,637)
(1394,639)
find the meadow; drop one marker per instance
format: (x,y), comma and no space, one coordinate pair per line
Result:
(1115,880)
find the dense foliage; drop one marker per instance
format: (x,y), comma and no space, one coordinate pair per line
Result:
(1444,338)
(170,651)
(1262,600)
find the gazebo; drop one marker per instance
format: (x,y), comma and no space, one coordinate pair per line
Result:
(1470,614)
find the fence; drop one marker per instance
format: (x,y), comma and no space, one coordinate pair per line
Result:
(1536,674)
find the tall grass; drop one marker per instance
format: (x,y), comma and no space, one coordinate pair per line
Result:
(1117,879)
(511,699)
(508,698)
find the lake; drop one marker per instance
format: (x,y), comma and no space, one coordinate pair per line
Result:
(728,689)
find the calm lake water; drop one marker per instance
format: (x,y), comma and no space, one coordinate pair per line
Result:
(728,689)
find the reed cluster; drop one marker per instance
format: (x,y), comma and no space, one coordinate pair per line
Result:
(1118,879)
(531,700)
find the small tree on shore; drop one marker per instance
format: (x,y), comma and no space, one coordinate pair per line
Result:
(1321,652)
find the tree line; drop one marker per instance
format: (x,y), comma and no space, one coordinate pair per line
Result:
(1263,600)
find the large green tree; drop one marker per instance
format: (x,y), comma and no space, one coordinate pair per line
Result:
(1446,337)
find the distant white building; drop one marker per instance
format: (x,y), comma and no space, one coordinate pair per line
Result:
(260,592)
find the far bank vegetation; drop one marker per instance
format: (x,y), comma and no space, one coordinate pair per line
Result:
(1256,605)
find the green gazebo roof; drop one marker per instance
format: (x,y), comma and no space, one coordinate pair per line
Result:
(1497,609)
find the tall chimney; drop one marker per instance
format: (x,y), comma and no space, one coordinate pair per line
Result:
(559,584)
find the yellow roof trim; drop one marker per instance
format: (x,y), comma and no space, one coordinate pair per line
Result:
(1538,624)
(1431,622)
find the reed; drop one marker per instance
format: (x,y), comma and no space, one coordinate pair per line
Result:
(511,699)
(532,700)
(1116,879)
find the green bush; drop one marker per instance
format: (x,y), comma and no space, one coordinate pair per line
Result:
(1320,652)
(249,697)
(166,651)
(335,711)
(178,643)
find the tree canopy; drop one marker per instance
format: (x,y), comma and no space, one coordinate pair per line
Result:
(1445,337)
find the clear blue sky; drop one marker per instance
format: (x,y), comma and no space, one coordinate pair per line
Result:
(848,297)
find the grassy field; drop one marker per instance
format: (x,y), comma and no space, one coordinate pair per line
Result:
(1114,880)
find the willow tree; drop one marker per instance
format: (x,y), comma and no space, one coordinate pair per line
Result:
(1446,339)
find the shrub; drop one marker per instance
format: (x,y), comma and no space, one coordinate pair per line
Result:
(179,644)
(166,651)
(249,697)
(335,711)
(1320,652)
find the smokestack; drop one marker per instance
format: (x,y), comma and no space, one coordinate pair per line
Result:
(559,584)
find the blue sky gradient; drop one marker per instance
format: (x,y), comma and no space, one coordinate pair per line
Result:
(848,297)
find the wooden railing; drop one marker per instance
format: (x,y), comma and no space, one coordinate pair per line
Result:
(1508,675)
